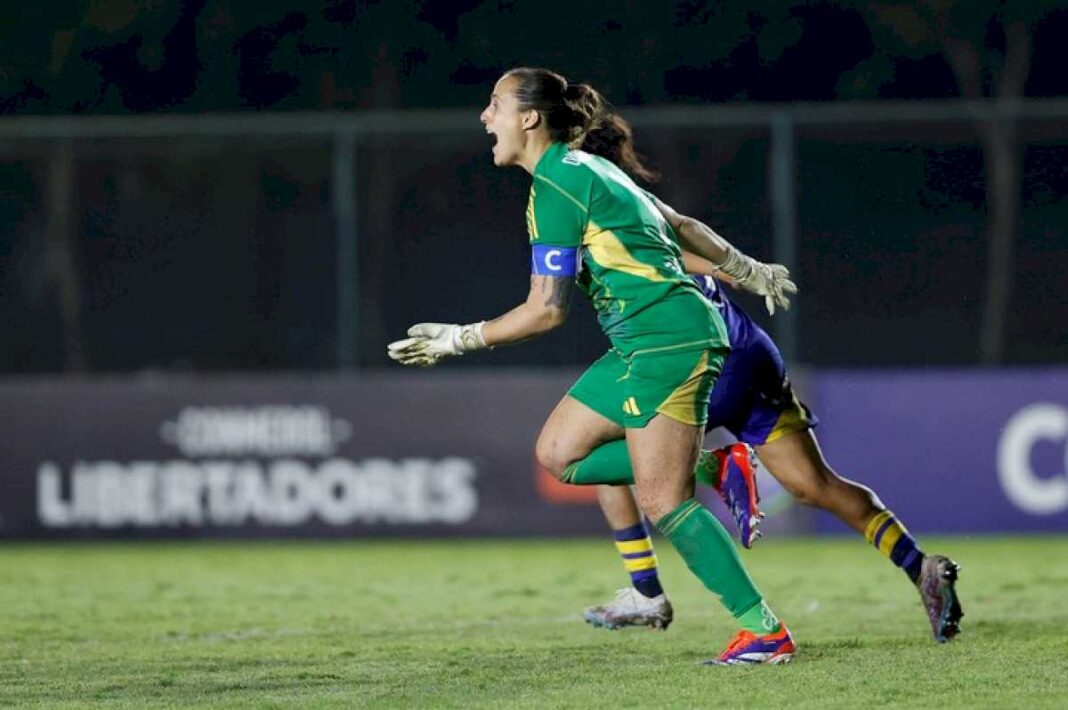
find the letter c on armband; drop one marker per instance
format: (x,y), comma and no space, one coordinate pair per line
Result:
(549,257)
(549,260)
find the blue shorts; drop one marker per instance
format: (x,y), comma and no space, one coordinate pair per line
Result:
(753,398)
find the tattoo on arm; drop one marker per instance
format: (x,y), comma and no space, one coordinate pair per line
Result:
(559,289)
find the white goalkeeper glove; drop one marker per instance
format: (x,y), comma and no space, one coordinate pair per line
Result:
(772,281)
(427,343)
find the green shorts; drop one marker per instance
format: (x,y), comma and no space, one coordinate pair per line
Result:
(631,391)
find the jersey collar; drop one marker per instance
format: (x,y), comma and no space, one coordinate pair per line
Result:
(554,150)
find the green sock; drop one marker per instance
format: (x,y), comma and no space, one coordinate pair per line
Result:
(760,619)
(707,470)
(710,554)
(608,463)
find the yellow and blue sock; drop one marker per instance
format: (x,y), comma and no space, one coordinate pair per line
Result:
(636,548)
(892,539)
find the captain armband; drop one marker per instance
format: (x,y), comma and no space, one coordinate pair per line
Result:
(550,260)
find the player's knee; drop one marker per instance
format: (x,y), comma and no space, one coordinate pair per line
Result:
(549,454)
(657,503)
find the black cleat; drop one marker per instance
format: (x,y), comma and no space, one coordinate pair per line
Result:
(938,590)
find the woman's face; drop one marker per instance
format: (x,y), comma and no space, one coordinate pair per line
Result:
(504,120)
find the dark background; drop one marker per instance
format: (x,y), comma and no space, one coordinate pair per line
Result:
(202,251)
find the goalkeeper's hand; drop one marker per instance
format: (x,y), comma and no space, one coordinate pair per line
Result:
(427,343)
(772,281)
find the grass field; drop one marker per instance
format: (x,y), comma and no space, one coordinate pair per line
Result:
(497,624)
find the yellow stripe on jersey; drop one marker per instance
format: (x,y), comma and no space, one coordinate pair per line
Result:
(532,223)
(691,345)
(609,252)
(682,404)
(629,547)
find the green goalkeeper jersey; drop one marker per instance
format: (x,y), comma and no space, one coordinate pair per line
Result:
(628,263)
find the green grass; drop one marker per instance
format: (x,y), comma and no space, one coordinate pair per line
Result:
(492,624)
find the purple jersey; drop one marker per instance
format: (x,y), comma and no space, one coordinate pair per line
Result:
(752,398)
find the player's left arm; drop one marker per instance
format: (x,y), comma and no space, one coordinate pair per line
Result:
(693,264)
(772,281)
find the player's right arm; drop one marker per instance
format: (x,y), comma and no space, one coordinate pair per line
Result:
(556,221)
(546,308)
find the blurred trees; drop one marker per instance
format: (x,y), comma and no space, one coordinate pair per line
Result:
(120,56)
(988,46)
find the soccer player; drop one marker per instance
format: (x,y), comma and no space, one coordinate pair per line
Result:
(588,222)
(754,401)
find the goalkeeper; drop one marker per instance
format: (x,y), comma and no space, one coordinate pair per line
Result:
(589,223)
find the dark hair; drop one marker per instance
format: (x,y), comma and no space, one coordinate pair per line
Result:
(578,115)
(613,140)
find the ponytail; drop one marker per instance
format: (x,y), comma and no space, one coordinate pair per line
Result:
(577,114)
(613,140)
(586,106)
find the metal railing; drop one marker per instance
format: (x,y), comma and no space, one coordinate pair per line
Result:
(782,123)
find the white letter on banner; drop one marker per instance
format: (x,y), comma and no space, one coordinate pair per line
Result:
(338,484)
(51,509)
(458,499)
(180,493)
(1038,496)
(291,488)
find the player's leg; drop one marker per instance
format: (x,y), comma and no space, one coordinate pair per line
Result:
(663,434)
(576,443)
(796,461)
(571,433)
(583,436)
(585,440)
(573,458)
(567,450)
(644,603)
(731,470)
